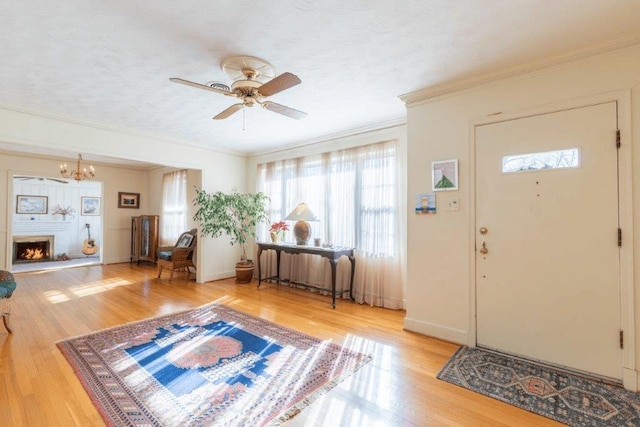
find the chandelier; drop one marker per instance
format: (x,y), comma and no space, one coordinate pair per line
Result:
(79,174)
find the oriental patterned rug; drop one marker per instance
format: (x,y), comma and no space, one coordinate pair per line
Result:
(551,392)
(205,367)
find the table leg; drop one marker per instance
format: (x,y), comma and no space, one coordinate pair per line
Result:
(278,266)
(353,270)
(259,264)
(333,263)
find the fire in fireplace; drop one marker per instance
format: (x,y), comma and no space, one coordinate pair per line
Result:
(32,248)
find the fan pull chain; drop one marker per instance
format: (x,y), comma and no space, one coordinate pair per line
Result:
(243,115)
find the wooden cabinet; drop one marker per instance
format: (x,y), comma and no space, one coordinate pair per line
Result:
(144,238)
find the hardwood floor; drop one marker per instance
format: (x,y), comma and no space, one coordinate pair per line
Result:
(398,388)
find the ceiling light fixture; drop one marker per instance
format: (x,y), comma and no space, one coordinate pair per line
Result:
(79,174)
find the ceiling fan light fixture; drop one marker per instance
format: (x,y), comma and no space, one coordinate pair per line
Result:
(241,84)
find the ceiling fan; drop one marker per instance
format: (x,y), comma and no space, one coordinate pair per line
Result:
(39,178)
(249,74)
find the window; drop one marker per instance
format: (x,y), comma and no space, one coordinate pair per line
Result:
(536,161)
(174,207)
(354,194)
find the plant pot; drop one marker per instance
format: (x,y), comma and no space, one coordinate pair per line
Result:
(276,237)
(244,271)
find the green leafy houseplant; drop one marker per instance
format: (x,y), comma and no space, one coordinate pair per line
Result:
(234,214)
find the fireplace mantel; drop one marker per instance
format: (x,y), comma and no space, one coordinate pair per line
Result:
(37,228)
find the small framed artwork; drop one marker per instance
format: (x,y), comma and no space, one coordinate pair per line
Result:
(185,241)
(444,175)
(129,200)
(32,205)
(90,206)
(425,203)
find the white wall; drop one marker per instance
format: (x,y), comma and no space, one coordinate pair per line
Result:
(38,133)
(440,247)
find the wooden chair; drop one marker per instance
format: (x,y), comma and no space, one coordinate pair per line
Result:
(180,256)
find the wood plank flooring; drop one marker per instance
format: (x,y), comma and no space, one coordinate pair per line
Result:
(398,388)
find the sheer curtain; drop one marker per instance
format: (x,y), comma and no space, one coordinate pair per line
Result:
(354,194)
(173,220)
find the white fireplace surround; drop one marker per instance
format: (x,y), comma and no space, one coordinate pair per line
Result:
(58,229)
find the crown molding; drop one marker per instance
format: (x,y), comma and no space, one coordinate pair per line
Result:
(439,90)
(117,129)
(379,127)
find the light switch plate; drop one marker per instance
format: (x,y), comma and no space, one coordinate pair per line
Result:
(454,204)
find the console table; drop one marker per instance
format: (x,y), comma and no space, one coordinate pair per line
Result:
(332,254)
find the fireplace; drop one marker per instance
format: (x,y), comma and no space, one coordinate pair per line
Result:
(32,248)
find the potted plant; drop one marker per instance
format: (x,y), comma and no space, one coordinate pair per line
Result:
(277,230)
(236,215)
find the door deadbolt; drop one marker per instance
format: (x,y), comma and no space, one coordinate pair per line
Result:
(483,249)
(483,230)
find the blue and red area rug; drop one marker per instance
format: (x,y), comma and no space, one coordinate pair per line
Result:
(205,367)
(562,396)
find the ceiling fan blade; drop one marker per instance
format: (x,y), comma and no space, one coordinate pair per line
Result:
(280,83)
(201,86)
(285,111)
(229,111)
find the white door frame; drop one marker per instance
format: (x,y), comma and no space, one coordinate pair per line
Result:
(630,377)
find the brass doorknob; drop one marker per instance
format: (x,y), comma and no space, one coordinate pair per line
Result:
(483,249)
(483,230)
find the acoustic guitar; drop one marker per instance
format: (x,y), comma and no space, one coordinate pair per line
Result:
(89,246)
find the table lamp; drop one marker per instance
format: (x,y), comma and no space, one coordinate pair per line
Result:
(302,229)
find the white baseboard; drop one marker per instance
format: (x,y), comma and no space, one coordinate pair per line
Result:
(437,331)
(218,276)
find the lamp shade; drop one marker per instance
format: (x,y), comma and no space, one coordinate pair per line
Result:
(302,229)
(301,213)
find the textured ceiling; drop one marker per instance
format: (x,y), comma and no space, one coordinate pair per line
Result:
(109,62)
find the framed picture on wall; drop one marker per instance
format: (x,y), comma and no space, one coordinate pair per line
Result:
(444,175)
(32,205)
(90,206)
(129,200)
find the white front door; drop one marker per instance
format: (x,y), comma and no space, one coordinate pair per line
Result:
(548,286)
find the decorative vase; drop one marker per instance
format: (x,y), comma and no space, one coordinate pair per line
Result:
(276,236)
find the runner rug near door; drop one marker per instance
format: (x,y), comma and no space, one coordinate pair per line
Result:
(208,366)
(562,396)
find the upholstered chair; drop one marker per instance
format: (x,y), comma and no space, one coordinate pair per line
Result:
(180,256)
(7,286)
